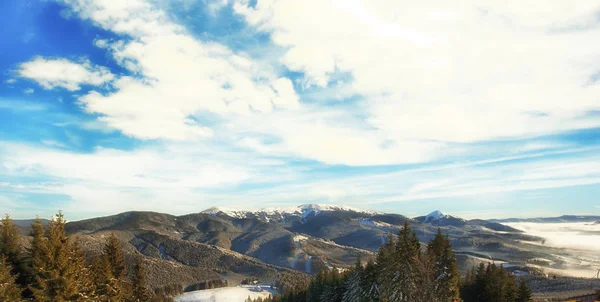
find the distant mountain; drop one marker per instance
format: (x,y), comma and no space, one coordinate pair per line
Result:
(219,243)
(24,225)
(282,213)
(495,226)
(438,218)
(560,219)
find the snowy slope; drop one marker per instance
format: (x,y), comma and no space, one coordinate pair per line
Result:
(435,216)
(303,211)
(226,294)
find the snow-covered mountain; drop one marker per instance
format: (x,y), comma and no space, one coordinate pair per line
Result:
(279,213)
(438,218)
(435,216)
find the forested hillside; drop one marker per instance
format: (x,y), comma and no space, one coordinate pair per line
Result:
(402,271)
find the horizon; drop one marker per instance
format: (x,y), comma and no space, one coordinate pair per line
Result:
(227,209)
(485,110)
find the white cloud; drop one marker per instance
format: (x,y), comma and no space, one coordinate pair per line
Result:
(52,73)
(446,72)
(29,91)
(109,180)
(184,76)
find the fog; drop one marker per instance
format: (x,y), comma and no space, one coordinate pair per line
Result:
(579,235)
(580,241)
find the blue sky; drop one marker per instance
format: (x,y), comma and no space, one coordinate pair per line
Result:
(484,110)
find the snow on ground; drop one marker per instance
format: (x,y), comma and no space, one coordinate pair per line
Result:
(371,223)
(299,251)
(226,294)
(297,238)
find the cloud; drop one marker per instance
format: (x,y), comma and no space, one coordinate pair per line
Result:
(52,73)
(443,72)
(372,83)
(152,175)
(29,91)
(182,76)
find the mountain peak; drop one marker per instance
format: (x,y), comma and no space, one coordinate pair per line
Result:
(304,211)
(435,215)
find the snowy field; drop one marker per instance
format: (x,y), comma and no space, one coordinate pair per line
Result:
(226,294)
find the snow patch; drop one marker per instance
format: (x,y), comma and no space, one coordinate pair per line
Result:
(227,294)
(371,223)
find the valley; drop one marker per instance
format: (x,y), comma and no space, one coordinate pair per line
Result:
(217,248)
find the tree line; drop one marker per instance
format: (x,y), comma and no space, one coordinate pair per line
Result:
(404,272)
(52,267)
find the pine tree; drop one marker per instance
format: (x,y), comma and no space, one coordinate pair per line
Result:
(316,287)
(37,254)
(9,241)
(385,267)
(9,291)
(113,252)
(524,293)
(369,286)
(334,288)
(140,291)
(353,284)
(61,270)
(10,247)
(406,263)
(443,269)
(109,272)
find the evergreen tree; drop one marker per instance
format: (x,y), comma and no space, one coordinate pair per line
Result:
(369,286)
(490,283)
(353,284)
(10,247)
(9,291)
(9,241)
(60,267)
(37,253)
(385,268)
(406,263)
(140,291)
(316,287)
(524,293)
(109,272)
(114,255)
(334,287)
(443,269)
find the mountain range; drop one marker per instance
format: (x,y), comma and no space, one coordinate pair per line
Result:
(224,244)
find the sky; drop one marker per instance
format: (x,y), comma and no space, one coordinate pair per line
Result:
(485,109)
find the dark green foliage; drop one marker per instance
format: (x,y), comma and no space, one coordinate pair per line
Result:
(524,292)
(401,272)
(489,283)
(443,271)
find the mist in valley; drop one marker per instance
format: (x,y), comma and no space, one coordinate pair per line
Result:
(576,246)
